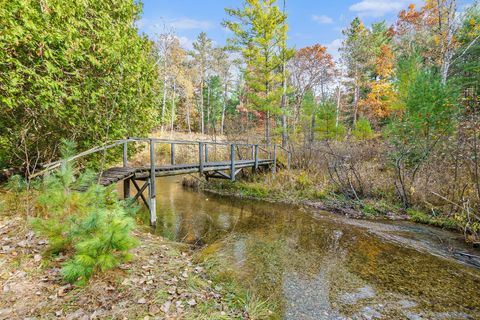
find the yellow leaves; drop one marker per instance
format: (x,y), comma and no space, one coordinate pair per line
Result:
(385,62)
(380,100)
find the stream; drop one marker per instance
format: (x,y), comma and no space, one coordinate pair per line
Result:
(317,265)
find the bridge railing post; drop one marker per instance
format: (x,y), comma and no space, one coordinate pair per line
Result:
(200,158)
(206,152)
(256,158)
(152,188)
(172,153)
(274,166)
(126,182)
(232,162)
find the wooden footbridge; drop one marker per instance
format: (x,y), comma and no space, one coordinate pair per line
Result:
(241,156)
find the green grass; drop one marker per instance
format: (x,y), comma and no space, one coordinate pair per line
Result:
(434,220)
(235,295)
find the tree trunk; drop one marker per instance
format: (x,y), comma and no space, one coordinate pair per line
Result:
(267,128)
(339,96)
(284,108)
(202,116)
(188,118)
(224,107)
(356,97)
(209,125)
(164,96)
(173,105)
(312,129)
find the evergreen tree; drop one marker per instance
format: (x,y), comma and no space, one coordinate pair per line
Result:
(327,126)
(260,32)
(92,227)
(72,69)
(363,129)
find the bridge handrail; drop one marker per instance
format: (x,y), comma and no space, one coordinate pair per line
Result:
(108,145)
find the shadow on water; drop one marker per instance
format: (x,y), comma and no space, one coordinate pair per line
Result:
(317,265)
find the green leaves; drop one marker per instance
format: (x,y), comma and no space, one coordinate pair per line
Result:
(65,68)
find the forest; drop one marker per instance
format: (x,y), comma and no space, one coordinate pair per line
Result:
(389,129)
(395,118)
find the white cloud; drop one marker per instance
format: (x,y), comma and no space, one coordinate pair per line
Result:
(333,48)
(187,24)
(322,19)
(379,8)
(185,42)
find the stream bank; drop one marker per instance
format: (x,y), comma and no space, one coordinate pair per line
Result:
(312,264)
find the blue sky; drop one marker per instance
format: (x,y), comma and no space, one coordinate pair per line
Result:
(310,21)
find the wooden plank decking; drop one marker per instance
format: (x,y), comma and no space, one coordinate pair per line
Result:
(117,174)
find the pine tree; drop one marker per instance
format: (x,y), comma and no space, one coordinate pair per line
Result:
(260,32)
(363,129)
(93,227)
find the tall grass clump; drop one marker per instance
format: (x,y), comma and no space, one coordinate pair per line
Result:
(93,228)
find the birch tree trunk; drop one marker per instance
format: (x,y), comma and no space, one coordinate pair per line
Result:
(356,97)
(284,107)
(173,105)
(164,94)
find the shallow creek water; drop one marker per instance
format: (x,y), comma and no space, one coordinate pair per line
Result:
(318,265)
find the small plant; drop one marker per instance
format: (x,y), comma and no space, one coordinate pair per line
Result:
(363,130)
(92,227)
(303,181)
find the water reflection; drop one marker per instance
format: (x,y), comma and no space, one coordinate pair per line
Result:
(320,266)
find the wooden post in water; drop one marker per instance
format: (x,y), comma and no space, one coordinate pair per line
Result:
(152,188)
(232,162)
(172,153)
(206,152)
(126,182)
(274,158)
(200,158)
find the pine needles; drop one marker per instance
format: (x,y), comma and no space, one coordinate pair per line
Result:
(92,227)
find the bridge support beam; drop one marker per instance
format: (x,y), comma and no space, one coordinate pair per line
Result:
(200,158)
(274,165)
(140,192)
(172,154)
(255,167)
(152,186)
(126,182)
(232,162)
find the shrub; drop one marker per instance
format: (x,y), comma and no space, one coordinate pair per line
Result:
(72,69)
(92,227)
(363,130)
